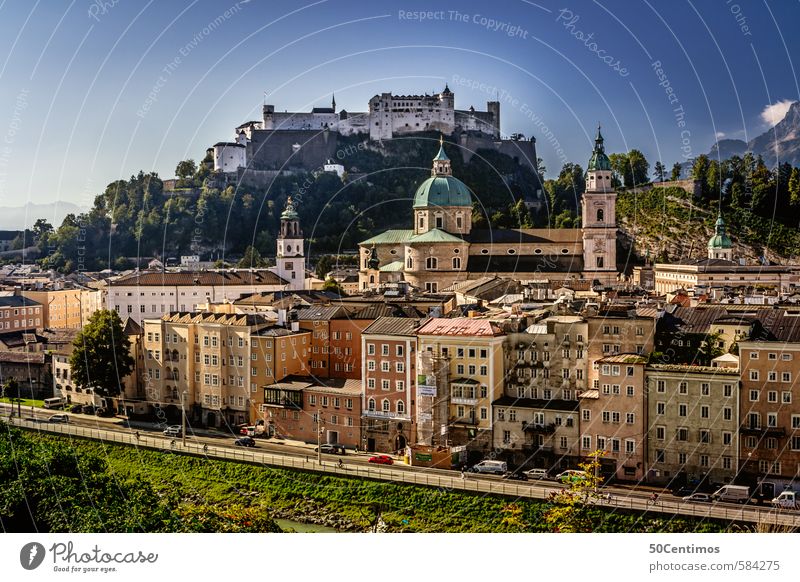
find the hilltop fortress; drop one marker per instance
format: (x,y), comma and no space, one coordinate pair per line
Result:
(286,141)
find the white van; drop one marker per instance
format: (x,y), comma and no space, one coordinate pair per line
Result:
(787,500)
(495,467)
(57,402)
(732,493)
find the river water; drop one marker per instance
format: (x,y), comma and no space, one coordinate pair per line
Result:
(301,527)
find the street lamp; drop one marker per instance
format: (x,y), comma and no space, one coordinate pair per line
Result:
(183,419)
(320,428)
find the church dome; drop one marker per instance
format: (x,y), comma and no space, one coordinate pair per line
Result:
(720,240)
(442,191)
(599,159)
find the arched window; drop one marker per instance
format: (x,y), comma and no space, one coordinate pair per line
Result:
(371,405)
(385,405)
(431,263)
(409,263)
(456,263)
(599,215)
(401,407)
(459,221)
(372,278)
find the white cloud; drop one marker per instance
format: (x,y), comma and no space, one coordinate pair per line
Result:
(719,134)
(772,114)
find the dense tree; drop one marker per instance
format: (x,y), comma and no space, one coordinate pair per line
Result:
(639,168)
(185,170)
(676,171)
(251,259)
(101,356)
(794,187)
(659,171)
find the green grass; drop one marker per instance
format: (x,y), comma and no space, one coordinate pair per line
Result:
(405,508)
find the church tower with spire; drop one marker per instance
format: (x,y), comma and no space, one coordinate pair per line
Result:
(598,217)
(290,261)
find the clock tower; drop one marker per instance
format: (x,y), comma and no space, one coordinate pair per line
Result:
(290,261)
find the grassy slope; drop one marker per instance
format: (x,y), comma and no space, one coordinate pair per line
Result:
(297,494)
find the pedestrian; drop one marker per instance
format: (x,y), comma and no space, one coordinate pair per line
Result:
(463,472)
(136,434)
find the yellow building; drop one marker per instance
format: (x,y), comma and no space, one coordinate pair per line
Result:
(461,368)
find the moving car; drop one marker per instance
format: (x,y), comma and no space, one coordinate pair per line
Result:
(732,493)
(381,459)
(173,431)
(536,473)
(698,498)
(787,500)
(248,431)
(245,442)
(56,402)
(58,418)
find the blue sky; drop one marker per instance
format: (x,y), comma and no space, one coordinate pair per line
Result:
(94,91)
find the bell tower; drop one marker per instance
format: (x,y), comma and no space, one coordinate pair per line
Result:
(598,217)
(290,261)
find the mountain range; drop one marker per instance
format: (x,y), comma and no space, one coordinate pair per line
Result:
(778,144)
(20,217)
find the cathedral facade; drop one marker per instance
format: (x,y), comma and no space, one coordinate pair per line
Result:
(442,248)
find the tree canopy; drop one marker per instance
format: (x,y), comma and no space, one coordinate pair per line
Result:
(101,356)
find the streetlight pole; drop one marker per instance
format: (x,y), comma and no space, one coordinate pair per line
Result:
(183,419)
(319,437)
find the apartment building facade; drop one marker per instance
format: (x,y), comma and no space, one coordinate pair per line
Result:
(614,417)
(769,432)
(389,348)
(618,330)
(693,430)
(471,353)
(19,313)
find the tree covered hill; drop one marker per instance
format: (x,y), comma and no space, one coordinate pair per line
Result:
(138,218)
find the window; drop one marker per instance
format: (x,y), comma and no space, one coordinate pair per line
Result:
(754,395)
(630,446)
(370,349)
(661,386)
(586,415)
(705,436)
(704,411)
(772,396)
(727,413)
(682,434)
(456,263)
(754,375)
(431,263)
(682,458)
(786,397)
(586,442)
(683,388)
(630,417)
(727,390)
(661,407)
(601,443)
(727,438)
(786,377)
(772,376)
(682,408)
(704,460)
(772,419)
(629,390)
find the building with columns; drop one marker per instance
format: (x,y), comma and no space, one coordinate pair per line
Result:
(442,248)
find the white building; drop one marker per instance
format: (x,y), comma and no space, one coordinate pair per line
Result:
(151,294)
(230,156)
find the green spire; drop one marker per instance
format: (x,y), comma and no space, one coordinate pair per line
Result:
(373,262)
(599,159)
(441,156)
(720,240)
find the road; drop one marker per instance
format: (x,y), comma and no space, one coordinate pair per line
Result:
(275,454)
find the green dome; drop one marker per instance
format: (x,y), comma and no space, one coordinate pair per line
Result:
(289,213)
(442,191)
(720,240)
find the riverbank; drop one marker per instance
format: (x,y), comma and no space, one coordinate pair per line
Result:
(356,505)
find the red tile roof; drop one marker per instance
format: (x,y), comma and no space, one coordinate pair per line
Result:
(460,326)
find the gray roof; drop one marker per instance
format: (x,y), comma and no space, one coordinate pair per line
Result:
(393,326)
(17,301)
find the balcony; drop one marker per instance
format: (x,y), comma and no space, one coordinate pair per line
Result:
(538,428)
(767,431)
(386,414)
(465,401)
(534,448)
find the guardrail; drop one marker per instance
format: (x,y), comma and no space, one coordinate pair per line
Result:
(456,482)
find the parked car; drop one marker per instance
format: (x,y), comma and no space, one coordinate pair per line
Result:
(787,500)
(381,459)
(245,442)
(58,418)
(536,474)
(76,408)
(105,412)
(732,493)
(173,431)
(248,431)
(515,476)
(88,409)
(684,491)
(570,475)
(698,498)
(494,467)
(331,449)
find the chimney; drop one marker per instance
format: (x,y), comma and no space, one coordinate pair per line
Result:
(282,317)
